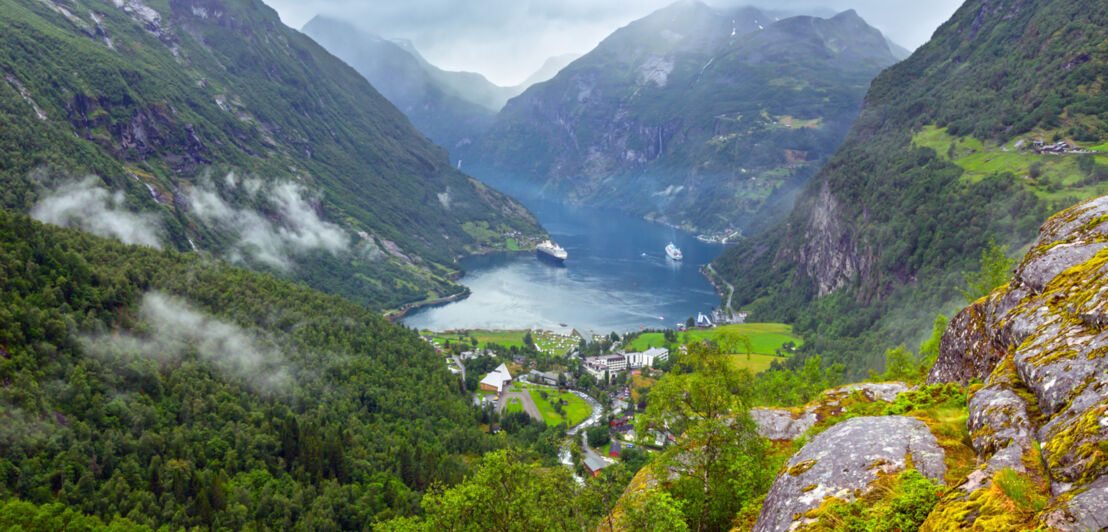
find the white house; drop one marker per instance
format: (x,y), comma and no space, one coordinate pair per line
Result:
(497,380)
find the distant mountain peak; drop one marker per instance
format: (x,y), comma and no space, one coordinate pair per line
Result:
(680,100)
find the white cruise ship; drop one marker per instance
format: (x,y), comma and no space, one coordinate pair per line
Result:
(550,251)
(673,252)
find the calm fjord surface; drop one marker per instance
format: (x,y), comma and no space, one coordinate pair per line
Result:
(607,284)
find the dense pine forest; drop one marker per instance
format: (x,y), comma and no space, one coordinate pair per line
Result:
(176,390)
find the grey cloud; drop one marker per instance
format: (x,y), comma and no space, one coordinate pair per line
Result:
(89,206)
(174,328)
(507,40)
(299,228)
(19,427)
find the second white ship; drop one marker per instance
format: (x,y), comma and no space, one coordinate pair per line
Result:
(673,252)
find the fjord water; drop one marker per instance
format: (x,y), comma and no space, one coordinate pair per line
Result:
(617,278)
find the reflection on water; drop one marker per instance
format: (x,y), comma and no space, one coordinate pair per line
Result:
(617,278)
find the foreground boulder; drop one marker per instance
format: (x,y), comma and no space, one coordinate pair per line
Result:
(844,462)
(1039,345)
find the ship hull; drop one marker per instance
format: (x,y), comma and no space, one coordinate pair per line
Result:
(547,257)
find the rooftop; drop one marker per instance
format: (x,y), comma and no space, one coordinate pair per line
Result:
(595,463)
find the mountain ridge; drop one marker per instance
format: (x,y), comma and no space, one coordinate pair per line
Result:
(181,106)
(678,116)
(942,158)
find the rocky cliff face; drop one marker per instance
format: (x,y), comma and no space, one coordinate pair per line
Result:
(1032,447)
(830,253)
(1040,349)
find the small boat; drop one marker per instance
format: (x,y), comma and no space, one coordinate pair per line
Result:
(673,252)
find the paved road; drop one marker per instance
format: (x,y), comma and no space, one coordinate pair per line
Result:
(458,361)
(524,399)
(729,285)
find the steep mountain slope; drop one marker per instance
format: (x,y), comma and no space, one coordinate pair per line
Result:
(701,118)
(451,108)
(548,70)
(448,107)
(952,148)
(231,133)
(175,390)
(899,52)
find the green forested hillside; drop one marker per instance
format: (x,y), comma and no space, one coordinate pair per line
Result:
(942,159)
(170,389)
(703,118)
(236,135)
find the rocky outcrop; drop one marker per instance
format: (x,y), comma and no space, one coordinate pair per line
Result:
(844,462)
(782,424)
(976,356)
(874,391)
(1087,509)
(1041,347)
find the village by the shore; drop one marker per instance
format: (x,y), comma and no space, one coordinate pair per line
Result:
(593,386)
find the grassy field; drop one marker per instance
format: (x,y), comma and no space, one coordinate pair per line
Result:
(514,405)
(576,411)
(546,341)
(754,363)
(764,337)
(1061,176)
(504,338)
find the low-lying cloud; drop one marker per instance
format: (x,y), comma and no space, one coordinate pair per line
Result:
(507,40)
(295,229)
(89,206)
(19,427)
(176,329)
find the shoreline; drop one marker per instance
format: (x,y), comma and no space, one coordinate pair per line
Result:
(396,315)
(488,252)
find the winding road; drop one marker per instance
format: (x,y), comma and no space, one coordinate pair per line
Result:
(729,285)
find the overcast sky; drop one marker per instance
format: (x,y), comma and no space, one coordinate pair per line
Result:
(507,40)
